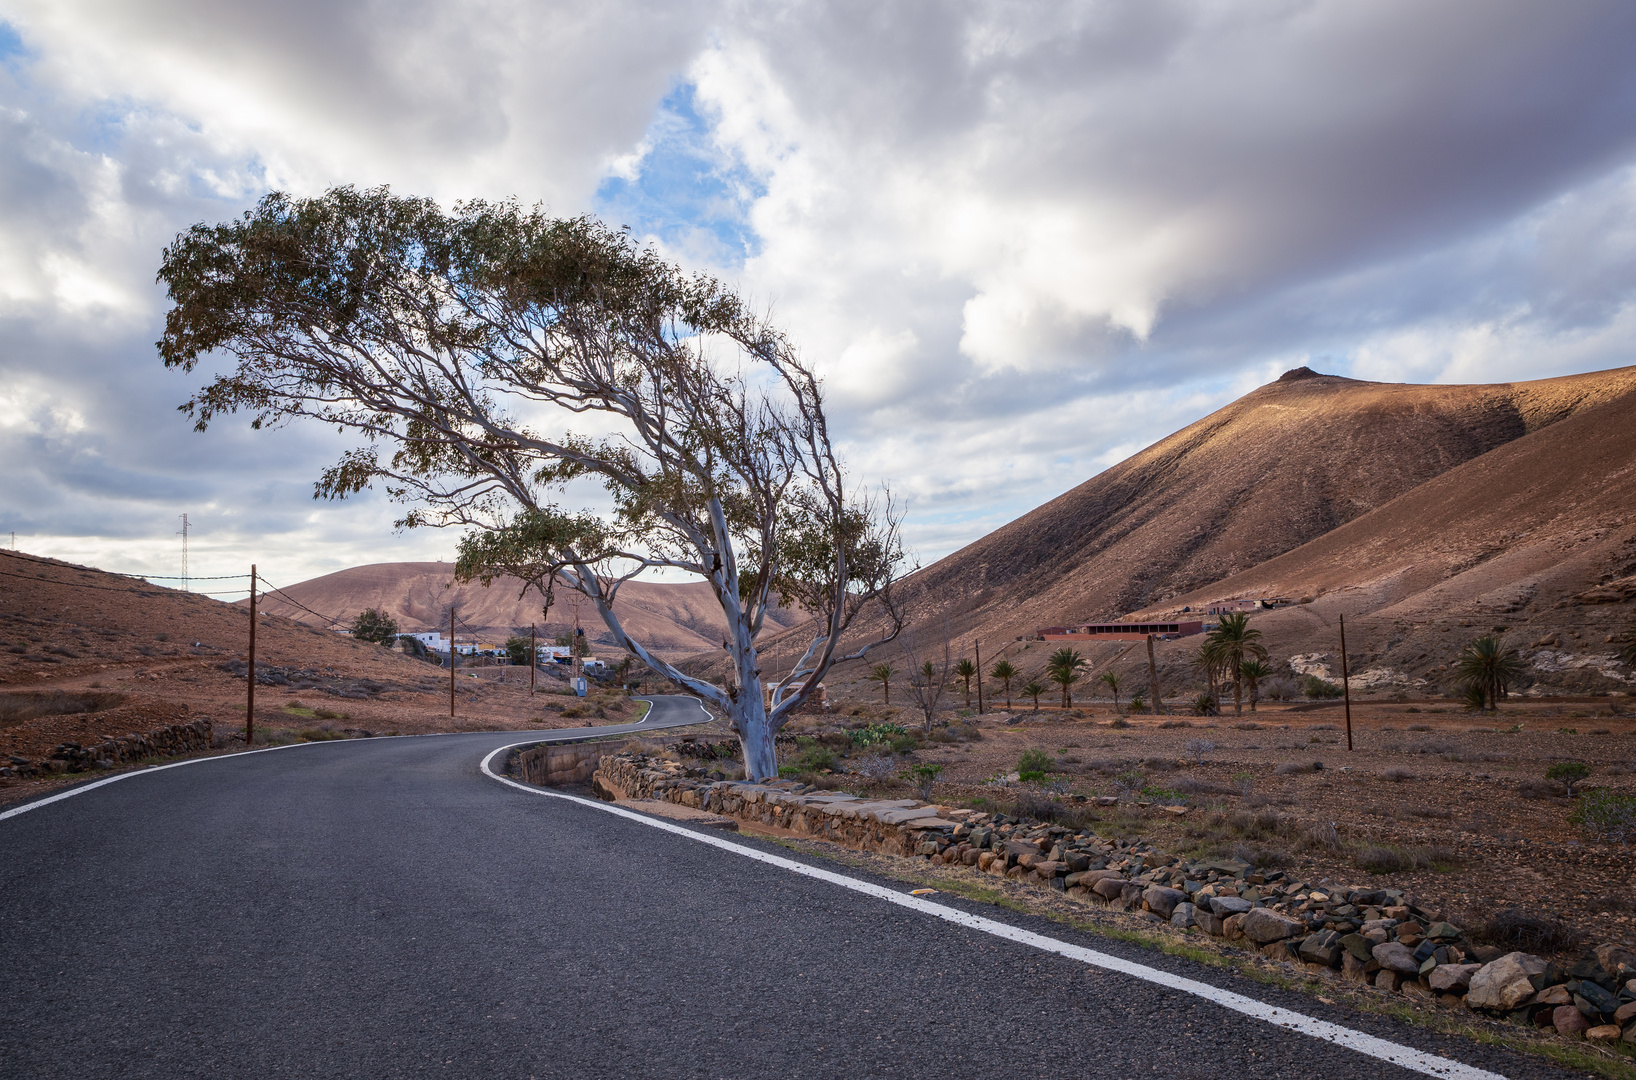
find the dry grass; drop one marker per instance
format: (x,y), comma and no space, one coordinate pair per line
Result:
(29,705)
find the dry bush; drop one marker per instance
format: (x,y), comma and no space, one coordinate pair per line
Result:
(1396,776)
(647,748)
(1390,860)
(1529,931)
(1292,768)
(1247,725)
(1189,785)
(1262,855)
(1176,723)
(1162,765)
(1054,811)
(29,705)
(1539,789)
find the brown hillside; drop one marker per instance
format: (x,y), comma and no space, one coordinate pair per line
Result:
(673,618)
(1535,540)
(1275,469)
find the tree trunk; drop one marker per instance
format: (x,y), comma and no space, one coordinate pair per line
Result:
(760,751)
(1008,695)
(1153,678)
(968,693)
(1238,696)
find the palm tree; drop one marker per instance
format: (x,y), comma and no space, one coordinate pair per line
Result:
(882,673)
(1490,667)
(1005,672)
(1253,671)
(1230,644)
(966,669)
(1112,681)
(1034,688)
(1207,663)
(1064,669)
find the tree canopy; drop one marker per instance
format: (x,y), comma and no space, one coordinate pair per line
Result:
(491,356)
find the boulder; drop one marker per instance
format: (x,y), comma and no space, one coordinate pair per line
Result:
(1388,980)
(1395,956)
(1223,906)
(1263,925)
(1503,984)
(1604,1033)
(1108,888)
(1593,1000)
(1359,946)
(1232,927)
(1209,923)
(1323,948)
(1625,1014)
(1569,1021)
(1184,915)
(1162,901)
(1452,978)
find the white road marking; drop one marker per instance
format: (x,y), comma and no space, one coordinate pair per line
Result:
(621,729)
(1403,1056)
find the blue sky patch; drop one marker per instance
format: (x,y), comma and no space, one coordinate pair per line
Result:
(685,186)
(11,43)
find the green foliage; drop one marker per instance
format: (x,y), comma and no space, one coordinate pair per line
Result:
(1568,773)
(1204,704)
(1110,679)
(882,673)
(1253,670)
(1314,687)
(1228,646)
(905,744)
(1138,704)
(1033,689)
(1244,781)
(872,734)
(1065,667)
(1489,666)
(518,649)
(965,670)
(1129,783)
(1033,765)
(813,757)
(1164,796)
(376,626)
(924,775)
(1606,815)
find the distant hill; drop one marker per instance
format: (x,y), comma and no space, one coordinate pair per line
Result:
(1207,512)
(673,618)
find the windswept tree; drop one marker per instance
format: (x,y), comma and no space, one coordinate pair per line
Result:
(490,356)
(1005,671)
(1252,671)
(964,669)
(1487,669)
(882,673)
(1065,668)
(1232,642)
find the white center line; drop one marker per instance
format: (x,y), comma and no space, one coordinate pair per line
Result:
(1404,1056)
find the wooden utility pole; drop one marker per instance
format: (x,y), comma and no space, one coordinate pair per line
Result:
(451,661)
(533,658)
(1153,678)
(978,646)
(1346,685)
(250,692)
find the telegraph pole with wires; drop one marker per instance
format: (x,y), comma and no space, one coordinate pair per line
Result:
(184,554)
(451,661)
(250,694)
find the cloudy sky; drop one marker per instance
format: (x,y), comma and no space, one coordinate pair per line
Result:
(1021,240)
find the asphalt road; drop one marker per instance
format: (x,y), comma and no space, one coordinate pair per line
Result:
(380,908)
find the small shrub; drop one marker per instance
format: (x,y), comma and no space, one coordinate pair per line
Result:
(1262,855)
(1119,722)
(1194,786)
(875,734)
(1127,784)
(1279,690)
(1604,815)
(1538,789)
(1176,723)
(1247,725)
(1529,932)
(1049,810)
(905,744)
(1138,704)
(1205,705)
(1033,765)
(1568,773)
(1319,689)
(874,767)
(1200,748)
(1244,782)
(319,734)
(813,757)
(1390,860)
(924,776)
(1163,796)
(1397,776)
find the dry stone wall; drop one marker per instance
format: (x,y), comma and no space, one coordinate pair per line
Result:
(168,741)
(1376,936)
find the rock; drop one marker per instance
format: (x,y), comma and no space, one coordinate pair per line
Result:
(1108,888)
(1047,869)
(1359,946)
(1395,956)
(1452,978)
(1323,948)
(1263,925)
(1625,1014)
(1593,1001)
(1353,969)
(1604,1033)
(1415,990)
(1078,862)
(985,860)
(1502,985)
(1232,927)
(1209,923)
(1162,901)
(1184,915)
(1388,980)
(1616,958)
(1569,1021)
(1223,906)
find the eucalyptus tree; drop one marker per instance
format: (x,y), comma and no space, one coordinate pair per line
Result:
(489,356)
(1005,671)
(1232,642)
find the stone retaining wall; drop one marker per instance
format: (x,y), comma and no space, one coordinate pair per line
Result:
(552,764)
(1375,936)
(165,742)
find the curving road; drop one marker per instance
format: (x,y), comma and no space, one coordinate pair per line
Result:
(381,908)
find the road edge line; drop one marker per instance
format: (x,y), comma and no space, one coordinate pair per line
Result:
(1406,1057)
